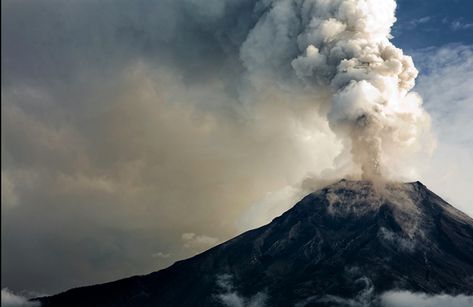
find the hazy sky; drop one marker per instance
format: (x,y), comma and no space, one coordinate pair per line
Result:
(134,133)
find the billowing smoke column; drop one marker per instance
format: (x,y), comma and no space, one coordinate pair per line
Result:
(343,46)
(346,46)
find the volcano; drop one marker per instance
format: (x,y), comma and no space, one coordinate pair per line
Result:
(345,244)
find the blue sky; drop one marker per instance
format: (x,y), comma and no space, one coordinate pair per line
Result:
(438,34)
(429,23)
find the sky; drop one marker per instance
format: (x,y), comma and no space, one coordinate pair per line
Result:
(138,133)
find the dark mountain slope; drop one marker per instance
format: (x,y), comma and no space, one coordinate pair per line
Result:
(350,240)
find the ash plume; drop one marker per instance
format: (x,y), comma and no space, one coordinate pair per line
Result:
(345,47)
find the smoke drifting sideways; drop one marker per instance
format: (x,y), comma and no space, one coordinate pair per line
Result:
(331,56)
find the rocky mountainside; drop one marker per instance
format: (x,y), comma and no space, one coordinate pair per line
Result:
(344,244)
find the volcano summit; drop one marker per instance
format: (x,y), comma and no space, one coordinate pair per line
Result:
(344,245)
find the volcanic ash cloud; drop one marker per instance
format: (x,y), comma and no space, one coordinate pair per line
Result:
(343,47)
(346,47)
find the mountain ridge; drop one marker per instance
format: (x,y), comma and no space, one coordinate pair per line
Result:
(349,240)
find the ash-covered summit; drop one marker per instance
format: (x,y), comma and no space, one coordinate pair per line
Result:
(343,245)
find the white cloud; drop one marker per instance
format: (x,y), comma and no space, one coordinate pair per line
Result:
(409,299)
(229,297)
(364,298)
(161,255)
(9,299)
(414,23)
(457,25)
(445,84)
(198,241)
